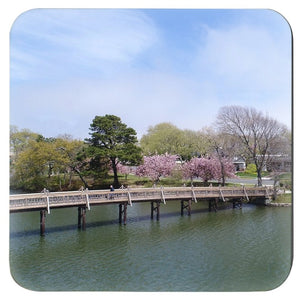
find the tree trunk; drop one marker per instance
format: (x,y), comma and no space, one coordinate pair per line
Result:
(276,180)
(259,180)
(82,179)
(70,179)
(116,183)
(223,173)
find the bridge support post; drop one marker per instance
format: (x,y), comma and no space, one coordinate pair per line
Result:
(238,203)
(122,213)
(155,208)
(188,207)
(152,209)
(81,217)
(42,222)
(213,204)
(216,204)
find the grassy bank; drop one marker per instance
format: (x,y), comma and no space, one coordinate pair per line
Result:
(283,198)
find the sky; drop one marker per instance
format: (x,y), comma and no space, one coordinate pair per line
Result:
(146,66)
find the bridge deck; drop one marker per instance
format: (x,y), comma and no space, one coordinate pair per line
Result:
(40,201)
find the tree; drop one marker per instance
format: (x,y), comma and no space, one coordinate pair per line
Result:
(157,166)
(42,162)
(208,168)
(162,138)
(36,164)
(195,144)
(257,133)
(72,149)
(125,170)
(224,168)
(113,140)
(19,140)
(167,138)
(223,147)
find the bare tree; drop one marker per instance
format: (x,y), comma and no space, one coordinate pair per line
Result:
(223,147)
(258,134)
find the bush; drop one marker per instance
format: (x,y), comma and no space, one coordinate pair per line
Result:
(251,169)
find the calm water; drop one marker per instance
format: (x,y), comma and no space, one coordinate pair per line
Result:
(231,250)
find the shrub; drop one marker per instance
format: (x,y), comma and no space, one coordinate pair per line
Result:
(251,169)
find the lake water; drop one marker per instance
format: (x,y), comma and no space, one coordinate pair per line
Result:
(248,249)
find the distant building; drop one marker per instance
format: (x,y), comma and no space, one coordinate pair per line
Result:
(239,163)
(280,163)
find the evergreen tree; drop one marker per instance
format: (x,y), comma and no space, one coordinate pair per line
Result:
(112,139)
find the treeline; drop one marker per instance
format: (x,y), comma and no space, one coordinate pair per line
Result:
(64,163)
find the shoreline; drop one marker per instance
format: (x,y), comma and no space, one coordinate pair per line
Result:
(278,204)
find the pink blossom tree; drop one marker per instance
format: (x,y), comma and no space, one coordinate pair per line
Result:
(122,169)
(224,169)
(125,170)
(208,168)
(157,166)
(190,169)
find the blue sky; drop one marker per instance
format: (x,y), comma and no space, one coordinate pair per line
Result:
(146,66)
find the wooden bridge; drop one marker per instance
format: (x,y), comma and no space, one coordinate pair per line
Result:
(84,199)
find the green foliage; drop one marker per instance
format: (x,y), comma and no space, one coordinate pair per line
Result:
(251,169)
(44,162)
(285,181)
(167,138)
(112,140)
(283,198)
(20,140)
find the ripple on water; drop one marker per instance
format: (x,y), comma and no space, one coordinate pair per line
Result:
(248,249)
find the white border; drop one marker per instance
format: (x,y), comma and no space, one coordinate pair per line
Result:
(8,13)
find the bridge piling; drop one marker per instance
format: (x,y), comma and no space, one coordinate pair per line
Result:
(237,203)
(213,204)
(152,209)
(155,208)
(81,223)
(188,207)
(122,213)
(83,217)
(42,222)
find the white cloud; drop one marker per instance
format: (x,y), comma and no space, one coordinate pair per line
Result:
(239,64)
(247,58)
(141,99)
(60,41)
(248,65)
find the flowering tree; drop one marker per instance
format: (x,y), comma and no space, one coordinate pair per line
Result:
(122,169)
(208,168)
(156,166)
(125,170)
(225,169)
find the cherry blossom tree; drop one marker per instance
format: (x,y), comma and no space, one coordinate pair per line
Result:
(208,168)
(224,168)
(124,169)
(157,166)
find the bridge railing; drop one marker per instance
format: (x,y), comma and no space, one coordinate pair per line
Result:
(87,197)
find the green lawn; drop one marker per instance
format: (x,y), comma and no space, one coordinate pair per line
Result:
(283,198)
(251,175)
